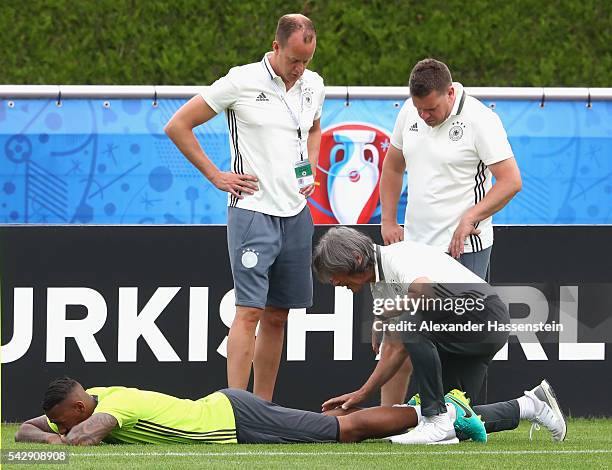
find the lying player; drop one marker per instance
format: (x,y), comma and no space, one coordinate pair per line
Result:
(77,416)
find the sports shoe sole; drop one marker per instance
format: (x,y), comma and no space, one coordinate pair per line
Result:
(554,404)
(454,440)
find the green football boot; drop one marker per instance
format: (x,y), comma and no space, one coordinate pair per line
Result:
(414,401)
(468,423)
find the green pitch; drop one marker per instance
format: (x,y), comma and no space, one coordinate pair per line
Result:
(588,445)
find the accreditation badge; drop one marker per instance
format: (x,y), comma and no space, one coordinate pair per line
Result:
(303,173)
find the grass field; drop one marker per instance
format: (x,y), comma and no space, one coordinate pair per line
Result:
(588,445)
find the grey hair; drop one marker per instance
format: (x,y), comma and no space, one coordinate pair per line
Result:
(338,251)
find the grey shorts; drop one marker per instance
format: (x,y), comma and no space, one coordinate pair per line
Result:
(477,262)
(263,422)
(270,258)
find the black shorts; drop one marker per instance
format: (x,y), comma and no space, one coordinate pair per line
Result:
(263,422)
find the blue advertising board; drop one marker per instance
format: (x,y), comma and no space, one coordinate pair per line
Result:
(109,162)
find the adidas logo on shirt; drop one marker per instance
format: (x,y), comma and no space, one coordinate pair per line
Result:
(414,128)
(262,97)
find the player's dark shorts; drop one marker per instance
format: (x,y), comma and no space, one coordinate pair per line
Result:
(262,422)
(271,258)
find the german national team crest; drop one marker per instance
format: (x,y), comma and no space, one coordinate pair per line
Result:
(456,131)
(348,173)
(307,98)
(249,258)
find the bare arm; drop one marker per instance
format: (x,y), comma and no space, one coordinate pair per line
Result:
(392,357)
(180,130)
(391,179)
(91,431)
(314,145)
(507,184)
(37,430)
(421,286)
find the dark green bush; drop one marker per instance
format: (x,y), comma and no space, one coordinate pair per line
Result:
(186,42)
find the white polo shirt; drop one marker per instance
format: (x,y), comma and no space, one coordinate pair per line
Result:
(399,264)
(405,261)
(447,169)
(263,134)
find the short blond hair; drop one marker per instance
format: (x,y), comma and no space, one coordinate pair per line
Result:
(289,24)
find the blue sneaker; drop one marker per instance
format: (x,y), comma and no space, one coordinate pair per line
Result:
(468,423)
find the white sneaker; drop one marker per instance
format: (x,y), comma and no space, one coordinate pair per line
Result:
(431,430)
(547,411)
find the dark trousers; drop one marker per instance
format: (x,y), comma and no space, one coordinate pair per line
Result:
(438,371)
(501,416)
(443,361)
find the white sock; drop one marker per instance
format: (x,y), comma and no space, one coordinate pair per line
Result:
(417,408)
(452,411)
(527,407)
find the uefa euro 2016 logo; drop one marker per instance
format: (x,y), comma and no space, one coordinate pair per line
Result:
(348,173)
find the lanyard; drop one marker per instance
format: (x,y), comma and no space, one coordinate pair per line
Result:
(294,118)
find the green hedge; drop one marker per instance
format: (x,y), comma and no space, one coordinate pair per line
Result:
(187,42)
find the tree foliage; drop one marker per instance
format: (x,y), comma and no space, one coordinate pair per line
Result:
(192,42)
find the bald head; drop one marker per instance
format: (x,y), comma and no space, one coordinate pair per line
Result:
(289,24)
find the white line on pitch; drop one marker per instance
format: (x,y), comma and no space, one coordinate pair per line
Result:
(288,454)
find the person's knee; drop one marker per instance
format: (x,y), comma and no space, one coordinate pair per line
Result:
(248,316)
(349,429)
(275,317)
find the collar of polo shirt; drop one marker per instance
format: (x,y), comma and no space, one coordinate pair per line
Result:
(457,105)
(379,275)
(274,76)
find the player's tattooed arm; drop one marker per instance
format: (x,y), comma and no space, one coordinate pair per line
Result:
(37,430)
(91,431)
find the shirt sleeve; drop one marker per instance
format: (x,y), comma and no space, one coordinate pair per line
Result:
(397,139)
(53,426)
(491,140)
(399,265)
(404,273)
(120,405)
(223,93)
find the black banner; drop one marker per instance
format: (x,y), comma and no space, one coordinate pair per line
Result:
(149,306)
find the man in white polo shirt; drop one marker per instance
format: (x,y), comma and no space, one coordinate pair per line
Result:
(273,110)
(451,145)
